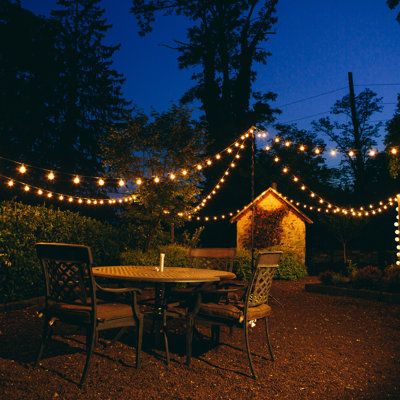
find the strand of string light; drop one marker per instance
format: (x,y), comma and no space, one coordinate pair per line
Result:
(203,202)
(393,151)
(354,211)
(62,197)
(76,179)
(328,209)
(216,188)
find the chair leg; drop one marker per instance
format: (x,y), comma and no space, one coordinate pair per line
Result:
(139,328)
(46,333)
(246,336)
(189,340)
(91,334)
(268,341)
(166,347)
(215,334)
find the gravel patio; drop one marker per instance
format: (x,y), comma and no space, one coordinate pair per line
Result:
(326,347)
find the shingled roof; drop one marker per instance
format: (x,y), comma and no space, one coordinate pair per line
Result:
(277,195)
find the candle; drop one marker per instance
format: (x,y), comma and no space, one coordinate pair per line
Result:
(162,257)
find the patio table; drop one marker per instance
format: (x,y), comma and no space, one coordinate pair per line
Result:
(162,282)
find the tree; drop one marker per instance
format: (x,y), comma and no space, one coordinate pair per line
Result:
(392,5)
(392,139)
(161,151)
(354,143)
(223,43)
(311,168)
(28,75)
(89,89)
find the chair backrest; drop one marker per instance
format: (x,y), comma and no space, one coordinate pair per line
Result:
(261,282)
(67,272)
(213,258)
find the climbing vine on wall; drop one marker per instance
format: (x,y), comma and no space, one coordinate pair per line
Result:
(267,228)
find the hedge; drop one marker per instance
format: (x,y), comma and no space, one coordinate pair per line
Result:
(21,226)
(290,267)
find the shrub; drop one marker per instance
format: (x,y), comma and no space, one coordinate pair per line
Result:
(391,278)
(290,267)
(175,256)
(21,226)
(333,278)
(368,277)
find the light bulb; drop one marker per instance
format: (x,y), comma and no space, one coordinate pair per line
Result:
(49,195)
(351,153)
(26,188)
(184,172)
(40,192)
(393,151)
(22,169)
(218,156)
(302,148)
(76,180)
(101,182)
(50,176)
(172,176)
(138,181)
(372,153)
(121,182)
(156,179)
(333,152)
(10,183)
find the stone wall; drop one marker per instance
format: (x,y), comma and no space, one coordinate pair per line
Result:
(294,228)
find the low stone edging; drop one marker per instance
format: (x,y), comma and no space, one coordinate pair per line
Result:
(386,297)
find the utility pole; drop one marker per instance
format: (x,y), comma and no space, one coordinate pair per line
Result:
(359,172)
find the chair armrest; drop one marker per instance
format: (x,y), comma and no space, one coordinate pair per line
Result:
(118,290)
(221,290)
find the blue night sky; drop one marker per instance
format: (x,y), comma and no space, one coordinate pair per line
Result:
(316,44)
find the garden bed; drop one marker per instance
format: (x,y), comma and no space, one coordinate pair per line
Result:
(393,298)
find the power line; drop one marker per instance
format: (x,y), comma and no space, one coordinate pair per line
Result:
(312,97)
(308,116)
(378,84)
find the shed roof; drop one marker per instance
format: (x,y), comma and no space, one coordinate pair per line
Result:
(277,195)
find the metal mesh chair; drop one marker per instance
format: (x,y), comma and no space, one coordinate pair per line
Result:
(239,314)
(71,298)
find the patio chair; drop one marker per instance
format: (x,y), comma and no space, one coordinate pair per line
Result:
(239,314)
(209,258)
(71,298)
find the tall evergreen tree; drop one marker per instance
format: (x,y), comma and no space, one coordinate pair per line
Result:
(90,90)
(28,75)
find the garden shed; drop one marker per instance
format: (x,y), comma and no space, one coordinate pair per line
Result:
(277,223)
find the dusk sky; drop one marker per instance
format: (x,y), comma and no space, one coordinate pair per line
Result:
(316,44)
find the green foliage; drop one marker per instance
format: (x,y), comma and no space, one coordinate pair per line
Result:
(391,277)
(192,240)
(175,256)
(290,267)
(21,226)
(368,277)
(157,146)
(392,139)
(333,278)
(267,228)
(360,138)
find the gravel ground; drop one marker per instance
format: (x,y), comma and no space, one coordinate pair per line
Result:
(326,348)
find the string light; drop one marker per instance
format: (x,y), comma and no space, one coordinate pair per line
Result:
(22,169)
(77,180)
(50,176)
(121,183)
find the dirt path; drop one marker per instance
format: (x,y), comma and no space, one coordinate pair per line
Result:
(326,348)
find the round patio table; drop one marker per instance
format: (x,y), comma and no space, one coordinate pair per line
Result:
(162,281)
